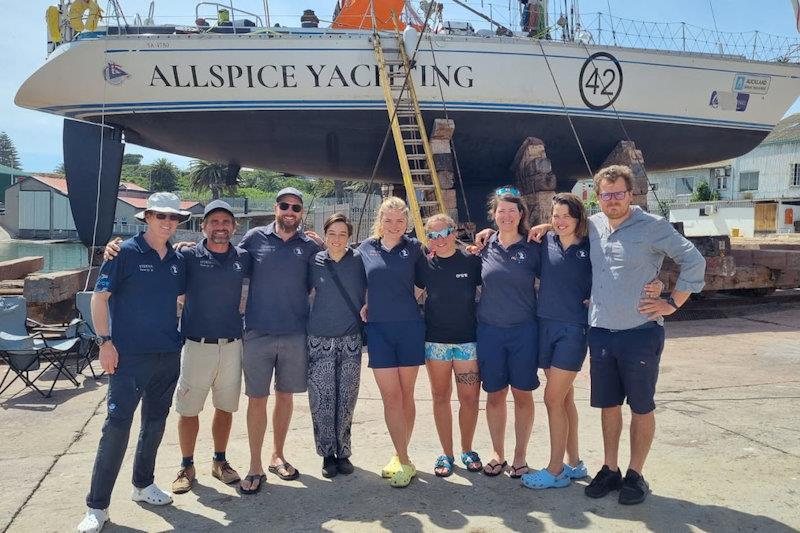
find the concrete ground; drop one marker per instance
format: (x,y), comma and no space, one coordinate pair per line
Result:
(726,457)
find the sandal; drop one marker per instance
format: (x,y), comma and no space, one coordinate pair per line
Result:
(252,479)
(514,471)
(472,461)
(489,469)
(444,465)
(402,478)
(543,479)
(282,471)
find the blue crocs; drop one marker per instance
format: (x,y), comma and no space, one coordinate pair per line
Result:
(578,471)
(444,465)
(543,479)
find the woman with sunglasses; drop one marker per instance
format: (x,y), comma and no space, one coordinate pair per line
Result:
(451,278)
(339,286)
(507,328)
(395,330)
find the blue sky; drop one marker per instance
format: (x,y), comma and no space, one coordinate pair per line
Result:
(38,136)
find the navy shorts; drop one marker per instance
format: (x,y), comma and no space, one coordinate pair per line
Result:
(508,356)
(562,345)
(624,364)
(394,344)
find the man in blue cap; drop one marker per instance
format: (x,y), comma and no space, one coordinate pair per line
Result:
(211,325)
(135,316)
(275,331)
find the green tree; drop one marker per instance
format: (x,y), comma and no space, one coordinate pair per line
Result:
(60,169)
(8,152)
(703,193)
(132,159)
(208,176)
(163,175)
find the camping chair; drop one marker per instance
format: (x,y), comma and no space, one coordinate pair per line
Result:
(89,351)
(23,352)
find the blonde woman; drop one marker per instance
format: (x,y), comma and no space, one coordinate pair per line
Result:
(451,278)
(395,330)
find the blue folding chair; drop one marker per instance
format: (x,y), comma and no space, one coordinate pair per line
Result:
(23,351)
(89,351)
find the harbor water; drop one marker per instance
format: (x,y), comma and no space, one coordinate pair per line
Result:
(57,256)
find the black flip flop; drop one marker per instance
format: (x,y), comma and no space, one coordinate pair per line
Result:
(252,478)
(492,473)
(275,469)
(514,469)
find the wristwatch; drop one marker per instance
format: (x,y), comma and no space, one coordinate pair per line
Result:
(102,339)
(671,301)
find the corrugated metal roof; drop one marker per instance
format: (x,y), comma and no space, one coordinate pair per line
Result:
(786,131)
(8,170)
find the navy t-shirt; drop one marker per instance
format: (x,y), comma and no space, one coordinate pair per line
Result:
(144,291)
(390,279)
(451,284)
(508,275)
(565,281)
(331,316)
(214,292)
(277,301)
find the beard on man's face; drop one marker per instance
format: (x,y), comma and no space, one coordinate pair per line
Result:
(288,225)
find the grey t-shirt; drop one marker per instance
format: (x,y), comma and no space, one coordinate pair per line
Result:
(330,315)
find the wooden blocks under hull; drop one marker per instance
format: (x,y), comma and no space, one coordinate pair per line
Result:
(534,178)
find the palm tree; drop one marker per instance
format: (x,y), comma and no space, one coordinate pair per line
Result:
(214,177)
(163,175)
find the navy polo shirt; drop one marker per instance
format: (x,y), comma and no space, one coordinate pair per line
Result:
(214,292)
(565,281)
(390,279)
(277,301)
(144,290)
(508,276)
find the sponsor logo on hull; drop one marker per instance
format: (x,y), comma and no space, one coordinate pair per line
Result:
(751,83)
(114,74)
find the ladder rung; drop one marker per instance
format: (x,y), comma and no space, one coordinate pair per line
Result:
(416,157)
(406,114)
(424,187)
(409,127)
(420,172)
(393,61)
(428,204)
(412,142)
(390,50)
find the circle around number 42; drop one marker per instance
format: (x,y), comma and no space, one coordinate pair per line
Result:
(600,80)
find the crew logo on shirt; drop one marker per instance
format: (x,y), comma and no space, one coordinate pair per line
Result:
(403,253)
(462,275)
(298,251)
(173,270)
(146,268)
(519,256)
(582,254)
(237,266)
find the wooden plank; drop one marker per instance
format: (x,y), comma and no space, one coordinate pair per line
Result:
(19,268)
(56,287)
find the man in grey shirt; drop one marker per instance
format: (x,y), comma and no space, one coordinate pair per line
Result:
(628,246)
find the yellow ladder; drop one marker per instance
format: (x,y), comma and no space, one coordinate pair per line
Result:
(408,130)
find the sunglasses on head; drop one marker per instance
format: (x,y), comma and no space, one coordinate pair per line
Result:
(513,191)
(606,196)
(162,216)
(285,206)
(439,234)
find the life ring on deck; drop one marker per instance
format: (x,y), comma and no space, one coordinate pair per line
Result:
(52,16)
(77,10)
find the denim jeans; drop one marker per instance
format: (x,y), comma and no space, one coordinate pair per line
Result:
(150,378)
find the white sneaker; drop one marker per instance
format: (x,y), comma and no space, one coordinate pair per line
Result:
(94,521)
(152,495)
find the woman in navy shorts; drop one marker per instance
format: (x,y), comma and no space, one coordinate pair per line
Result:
(507,328)
(395,330)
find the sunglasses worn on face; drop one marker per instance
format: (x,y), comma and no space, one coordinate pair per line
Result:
(285,206)
(162,216)
(513,191)
(606,196)
(439,234)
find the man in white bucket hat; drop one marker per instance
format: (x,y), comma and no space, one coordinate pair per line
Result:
(137,293)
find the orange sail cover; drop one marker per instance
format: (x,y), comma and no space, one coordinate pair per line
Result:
(357,14)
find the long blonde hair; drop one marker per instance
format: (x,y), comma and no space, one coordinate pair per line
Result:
(392,202)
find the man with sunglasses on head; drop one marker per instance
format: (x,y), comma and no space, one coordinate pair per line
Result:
(135,316)
(626,338)
(275,331)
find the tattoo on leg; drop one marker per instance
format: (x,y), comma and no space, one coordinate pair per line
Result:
(468,378)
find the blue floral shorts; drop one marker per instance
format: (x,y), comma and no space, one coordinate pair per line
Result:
(439,351)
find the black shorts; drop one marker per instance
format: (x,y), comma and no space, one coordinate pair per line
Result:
(624,364)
